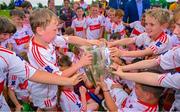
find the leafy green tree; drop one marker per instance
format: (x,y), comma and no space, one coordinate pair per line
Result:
(11,5)
(40,5)
(3,6)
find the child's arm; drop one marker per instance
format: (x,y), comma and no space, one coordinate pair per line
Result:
(48,78)
(140,65)
(143,77)
(87,81)
(14,99)
(124,41)
(82,91)
(108,99)
(139,53)
(85,60)
(81,41)
(101,32)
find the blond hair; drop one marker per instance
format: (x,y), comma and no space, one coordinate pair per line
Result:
(95,5)
(41,18)
(161,15)
(119,13)
(176,16)
(111,10)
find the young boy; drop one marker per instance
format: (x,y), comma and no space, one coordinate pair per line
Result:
(42,56)
(79,24)
(138,27)
(116,24)
(153,42)
(143,98)
(94,23)
(108,20)
(22,35)
(10,63)
(69,100)
(6,32)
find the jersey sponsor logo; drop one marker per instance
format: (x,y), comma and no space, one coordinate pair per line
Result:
(95,27)
(49,69)
(1,86)
(136,32)
(79,29)
(22,40)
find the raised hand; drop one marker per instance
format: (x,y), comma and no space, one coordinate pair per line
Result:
(115,52)
(75,79)
(85,60)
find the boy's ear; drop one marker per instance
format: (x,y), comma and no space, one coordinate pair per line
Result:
(39,30)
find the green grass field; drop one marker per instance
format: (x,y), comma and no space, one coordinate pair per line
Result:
(4,13)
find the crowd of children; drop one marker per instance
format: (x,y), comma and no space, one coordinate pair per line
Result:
(44,66)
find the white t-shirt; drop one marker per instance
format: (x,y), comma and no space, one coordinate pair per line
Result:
(20,38)
(159,46)
(120,28)
(10,63)
(93,27)
(19,86)
(44,59)
(131,103)
(171,59)
(137,28)
(170,80)
(79,27)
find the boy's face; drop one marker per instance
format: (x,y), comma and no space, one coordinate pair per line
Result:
(17,21)
(177,28)
(75,6)
(4,36)
(49,33)
(152,26)
(80,12)
(117,19)
(66,4)
(139,92)
(26,18)
(111,15)
(95,11)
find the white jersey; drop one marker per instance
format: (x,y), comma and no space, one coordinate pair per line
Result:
(79,27)
(43,95)
(11,64)
(118,94)
(19,39)
(132,104)
(137,28)
(69,101)
(170,80)
(161,45)
(117,28)
(107,24)
(5,43)
(93,27)
(171,59)
(19,86)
